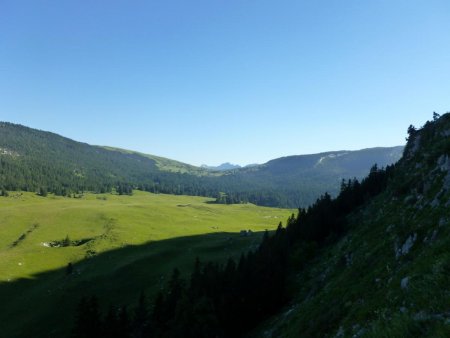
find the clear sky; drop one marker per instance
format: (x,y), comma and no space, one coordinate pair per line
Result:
(221,80)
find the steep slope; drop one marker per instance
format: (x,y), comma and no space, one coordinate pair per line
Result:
(389,275)
(33,160)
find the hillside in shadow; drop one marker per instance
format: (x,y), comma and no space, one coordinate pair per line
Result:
(44,305)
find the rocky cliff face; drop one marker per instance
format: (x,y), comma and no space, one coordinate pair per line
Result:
(389,276)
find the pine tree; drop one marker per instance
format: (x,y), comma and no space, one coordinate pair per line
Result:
(111,324)
(141,323)
(66,241)
(158,317)
(123,323)
(411,132)
(69,269)
(42,192)
(87,320)
(175,293)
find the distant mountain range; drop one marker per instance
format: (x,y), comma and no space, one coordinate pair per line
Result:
(222,167)
(227,166)
(31,160)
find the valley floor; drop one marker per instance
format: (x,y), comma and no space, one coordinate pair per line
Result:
(118,245)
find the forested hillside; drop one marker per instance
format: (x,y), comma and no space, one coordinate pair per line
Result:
(372,262)
(300,180)
(38,161)
(32,160)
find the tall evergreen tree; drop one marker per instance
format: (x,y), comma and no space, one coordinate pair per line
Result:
(141,319)
(87,320)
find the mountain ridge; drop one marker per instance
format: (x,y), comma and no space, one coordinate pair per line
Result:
(34,160)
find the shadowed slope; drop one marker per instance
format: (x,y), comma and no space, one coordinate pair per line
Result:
(43,305)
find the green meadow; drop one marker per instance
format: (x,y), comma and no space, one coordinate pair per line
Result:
(118,245)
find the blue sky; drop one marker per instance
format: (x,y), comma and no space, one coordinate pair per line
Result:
(213,81)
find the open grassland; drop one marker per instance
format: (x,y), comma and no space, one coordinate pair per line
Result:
(119,245)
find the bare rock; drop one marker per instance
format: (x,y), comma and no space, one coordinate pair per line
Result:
(444,163)
(446,183)
(389,228)
(340,333)
(435,202)
(434,235)
(404,283)
(406,247)
(445,133)
(416,145)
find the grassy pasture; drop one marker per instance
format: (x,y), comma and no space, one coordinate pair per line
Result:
(119,245)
